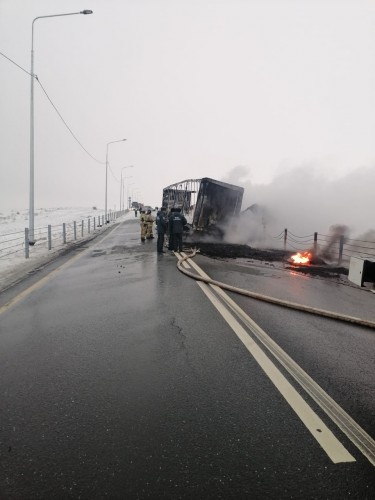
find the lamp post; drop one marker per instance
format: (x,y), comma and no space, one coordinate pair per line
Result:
(106,177)
(123,202)
(137,196)
(31,192)
(127,194)
(129,166)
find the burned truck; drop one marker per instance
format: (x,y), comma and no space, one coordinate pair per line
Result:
(207,204)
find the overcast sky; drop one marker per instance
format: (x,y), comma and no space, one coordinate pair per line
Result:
(198,88)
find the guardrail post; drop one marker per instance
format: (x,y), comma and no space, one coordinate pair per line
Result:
(82,225)
(88,226)
(285,238)
(94,224)
(315,243)
(75,229)
(27,255)
(64,233)
(49,237)
(341,249)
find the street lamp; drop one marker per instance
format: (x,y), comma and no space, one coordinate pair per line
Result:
(31,195)
(123,203)
(106,177)
(135,192)
(136,195)
(127,194)
(121,195)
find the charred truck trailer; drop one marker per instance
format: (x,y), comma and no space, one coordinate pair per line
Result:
(207,204)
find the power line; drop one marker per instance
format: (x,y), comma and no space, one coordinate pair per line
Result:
(18,66)
(54,107)
(113,175)
(66,125)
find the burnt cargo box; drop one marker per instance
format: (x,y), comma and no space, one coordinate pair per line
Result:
(216,203)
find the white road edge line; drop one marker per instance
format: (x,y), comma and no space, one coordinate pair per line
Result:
(185,262)
(358,436)
(330,444)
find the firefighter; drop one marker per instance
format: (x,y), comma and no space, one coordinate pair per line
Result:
(149,222)
(161,227)
(177,222)
(143,223)
(170,234)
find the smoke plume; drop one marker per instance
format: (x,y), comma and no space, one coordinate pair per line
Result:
(304,202)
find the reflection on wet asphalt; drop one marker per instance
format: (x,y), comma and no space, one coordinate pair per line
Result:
(120,380)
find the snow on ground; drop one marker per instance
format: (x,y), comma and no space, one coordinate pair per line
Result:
(14,265)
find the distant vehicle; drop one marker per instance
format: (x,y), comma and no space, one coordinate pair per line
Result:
(207,204)
(147,207)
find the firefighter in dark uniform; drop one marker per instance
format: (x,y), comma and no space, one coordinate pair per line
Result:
(161,227)
(177,222)
(170,234)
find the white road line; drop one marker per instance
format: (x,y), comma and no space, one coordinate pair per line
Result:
(358,436)
(330,444)
(185,262)
(353,431)
(198,269)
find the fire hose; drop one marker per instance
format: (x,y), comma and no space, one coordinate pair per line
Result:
(273,300)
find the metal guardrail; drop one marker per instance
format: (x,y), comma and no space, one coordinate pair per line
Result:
(332,247)
(53,236)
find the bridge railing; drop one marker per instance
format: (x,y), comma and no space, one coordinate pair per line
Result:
(332,247)
(50,237)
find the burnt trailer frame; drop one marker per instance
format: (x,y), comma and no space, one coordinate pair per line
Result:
(180,195)
(206,203)
(217,202)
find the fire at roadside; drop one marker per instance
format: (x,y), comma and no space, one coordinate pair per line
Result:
(217,226)
(315,267)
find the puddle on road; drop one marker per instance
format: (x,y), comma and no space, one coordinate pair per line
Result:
(98,253)
(120,249)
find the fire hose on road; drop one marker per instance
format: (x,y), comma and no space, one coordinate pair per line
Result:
(273,300)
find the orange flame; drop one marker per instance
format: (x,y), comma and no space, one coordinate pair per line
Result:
(301,258)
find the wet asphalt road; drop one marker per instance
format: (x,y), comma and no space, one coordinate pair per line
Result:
(120,379)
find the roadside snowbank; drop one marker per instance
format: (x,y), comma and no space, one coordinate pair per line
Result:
(15,266)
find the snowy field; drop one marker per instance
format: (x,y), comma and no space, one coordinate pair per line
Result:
(14,265)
